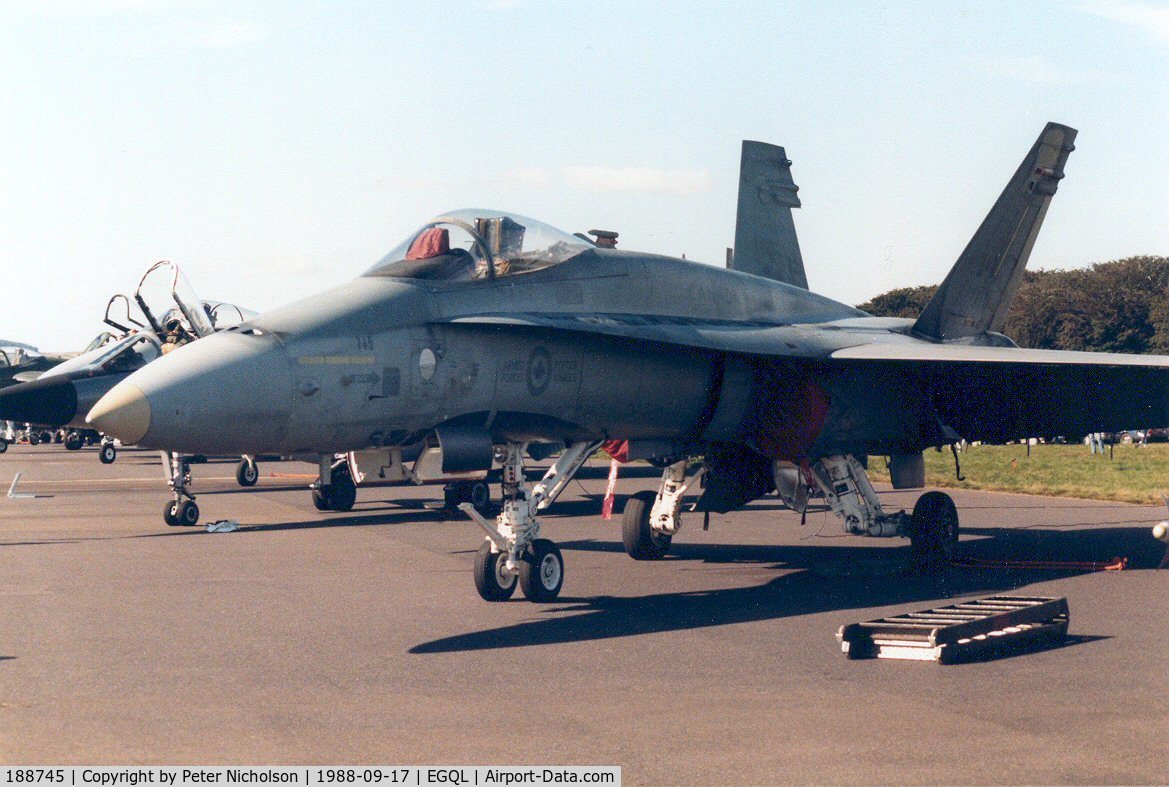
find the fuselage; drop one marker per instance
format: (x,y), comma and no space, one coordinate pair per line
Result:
(381,361)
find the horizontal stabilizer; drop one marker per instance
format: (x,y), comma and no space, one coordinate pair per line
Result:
(765,234)
(979,289)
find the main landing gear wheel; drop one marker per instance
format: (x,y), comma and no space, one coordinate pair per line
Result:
(542,571)
(477,493)
(339,495)
(490,580)
(185,513)
(641,541)
(3,445)
(247,473)
(74,442)
(108,453)
(933,539)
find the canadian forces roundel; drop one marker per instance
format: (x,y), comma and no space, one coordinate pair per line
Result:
(539,371)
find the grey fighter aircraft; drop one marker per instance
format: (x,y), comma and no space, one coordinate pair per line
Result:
(484,331)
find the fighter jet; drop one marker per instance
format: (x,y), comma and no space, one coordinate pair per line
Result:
(20,362)
(485,331)
(164,309)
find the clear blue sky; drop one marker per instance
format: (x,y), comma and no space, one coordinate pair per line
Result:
(273,149)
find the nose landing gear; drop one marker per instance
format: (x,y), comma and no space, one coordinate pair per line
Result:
(246,472)
(182,510)
(513,553)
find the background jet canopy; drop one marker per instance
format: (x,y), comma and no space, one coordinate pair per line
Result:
(478,244)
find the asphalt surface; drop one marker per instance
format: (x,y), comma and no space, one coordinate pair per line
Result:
(307,638)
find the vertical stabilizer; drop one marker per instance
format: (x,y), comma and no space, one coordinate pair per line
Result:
(979,289)
(765,235)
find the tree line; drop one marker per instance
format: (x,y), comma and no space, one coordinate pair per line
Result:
(1119,306)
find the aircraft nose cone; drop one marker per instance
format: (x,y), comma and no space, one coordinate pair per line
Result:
(223,394)
(123,413)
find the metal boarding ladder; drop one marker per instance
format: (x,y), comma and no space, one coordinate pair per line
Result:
(960,632)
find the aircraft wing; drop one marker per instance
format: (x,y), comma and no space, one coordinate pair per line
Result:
(950,353)
(981,393)
(1006,393)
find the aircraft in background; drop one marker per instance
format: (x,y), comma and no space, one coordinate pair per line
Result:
(164,309)
(19,363)
(485,331)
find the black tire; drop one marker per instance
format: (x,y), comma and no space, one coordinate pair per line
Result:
(73,442)
(247,473)
(488,581)
(33,439)
(188,513)
(342,492)
(58,437)
(542,572)
(170,513)
(108,453)
(933,539)
(481,496)
(48,437)
(3,445)
(321,501)
(641,542)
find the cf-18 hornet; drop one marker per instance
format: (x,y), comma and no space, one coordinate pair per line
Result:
(486,331)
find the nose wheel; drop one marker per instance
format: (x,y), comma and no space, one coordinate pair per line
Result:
(492,580)
(108,453)
(246,472)
(513,554)
(542,571)
(182,511)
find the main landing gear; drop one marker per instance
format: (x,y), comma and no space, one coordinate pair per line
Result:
(651,519)
(334,489)
(932,528)
(477,493)
(513,553)
(182,510)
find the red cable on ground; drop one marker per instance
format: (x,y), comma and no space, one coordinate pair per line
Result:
(1116,564)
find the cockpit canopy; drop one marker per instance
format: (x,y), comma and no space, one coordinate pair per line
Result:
(478,244)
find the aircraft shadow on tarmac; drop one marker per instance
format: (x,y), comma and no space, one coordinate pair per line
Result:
(819,579)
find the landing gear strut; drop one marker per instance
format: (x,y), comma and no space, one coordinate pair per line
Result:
(513,553)
(334,489)
(651,519)
(182,510)
(932,529)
